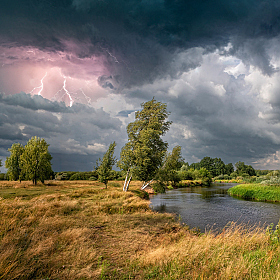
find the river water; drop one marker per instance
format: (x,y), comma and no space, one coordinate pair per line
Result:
(213,208)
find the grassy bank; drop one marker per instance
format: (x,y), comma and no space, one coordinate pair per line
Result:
(232,181)
(257,192)
(79,230)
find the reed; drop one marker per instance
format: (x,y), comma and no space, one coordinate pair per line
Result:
(257,192)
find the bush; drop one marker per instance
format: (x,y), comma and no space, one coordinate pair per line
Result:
(186,174)
(158,187)
(3,177)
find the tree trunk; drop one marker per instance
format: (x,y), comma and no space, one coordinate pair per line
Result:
(127,185)
(124,185)
(146,185)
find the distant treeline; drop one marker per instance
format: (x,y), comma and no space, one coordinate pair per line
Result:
(217,168)
(88,175)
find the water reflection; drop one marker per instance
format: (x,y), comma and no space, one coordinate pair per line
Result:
(213,208)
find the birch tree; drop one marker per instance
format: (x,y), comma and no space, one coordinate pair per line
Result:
(145,150)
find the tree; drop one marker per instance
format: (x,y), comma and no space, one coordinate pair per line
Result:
(144,152)
(35,161)
(214,165)
(106,164)
(229,168)
(173,162)
(12,163)
(242,168)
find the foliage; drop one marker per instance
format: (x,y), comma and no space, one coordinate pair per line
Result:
(3,176)
(262,172)
(106,164)
(242,168)
(144,152)
(172,163)
(214,165)
(274,234)
(158,187)
(194,174)
(13,162)
(229,169)
(35,161)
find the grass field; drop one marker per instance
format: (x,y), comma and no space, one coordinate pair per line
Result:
(257,192)
(79,230)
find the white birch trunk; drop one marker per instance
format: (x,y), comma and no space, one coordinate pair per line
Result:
(146,185)
(127,185)
(124,185)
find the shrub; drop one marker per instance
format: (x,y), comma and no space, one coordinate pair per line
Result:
(158,187)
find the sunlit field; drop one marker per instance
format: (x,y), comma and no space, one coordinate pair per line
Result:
(80,230)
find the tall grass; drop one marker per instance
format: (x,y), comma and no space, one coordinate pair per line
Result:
(79,230)
(257,192)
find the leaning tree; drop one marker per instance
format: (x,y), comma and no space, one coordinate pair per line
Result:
(145,150)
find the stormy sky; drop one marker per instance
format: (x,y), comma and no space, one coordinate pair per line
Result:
(75,71)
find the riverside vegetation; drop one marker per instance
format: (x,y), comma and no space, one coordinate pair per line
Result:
(80,230)
(262,188)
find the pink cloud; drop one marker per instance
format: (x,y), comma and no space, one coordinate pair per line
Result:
(61,75)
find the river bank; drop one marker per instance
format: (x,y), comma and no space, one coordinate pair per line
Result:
(256,192)
(79,230)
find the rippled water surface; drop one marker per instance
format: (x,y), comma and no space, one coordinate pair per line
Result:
(213,208)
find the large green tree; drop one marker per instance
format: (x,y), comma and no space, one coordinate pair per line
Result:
(12,163)
(145,150)
(214,165)
(242,168)
(35,161)
(105,167)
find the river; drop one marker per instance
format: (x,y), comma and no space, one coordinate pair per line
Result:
(213,208)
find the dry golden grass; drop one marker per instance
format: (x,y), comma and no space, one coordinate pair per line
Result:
(79,230)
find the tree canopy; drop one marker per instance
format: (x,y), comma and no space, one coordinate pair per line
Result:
(214,165)
(173,162)
(242,168)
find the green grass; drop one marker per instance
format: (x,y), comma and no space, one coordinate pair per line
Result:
(256,192)
(80,230)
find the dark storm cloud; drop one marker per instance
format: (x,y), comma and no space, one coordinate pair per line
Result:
(36,102)
(79,132)
(140,38)
(217,114)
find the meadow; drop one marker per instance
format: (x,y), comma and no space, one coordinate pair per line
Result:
(80,230)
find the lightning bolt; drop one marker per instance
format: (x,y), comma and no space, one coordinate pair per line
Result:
(116,60)
(65,90)
(41,87)
(88,99)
